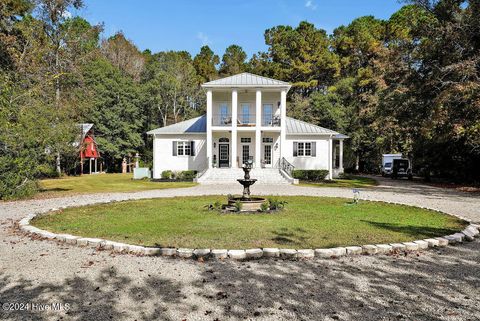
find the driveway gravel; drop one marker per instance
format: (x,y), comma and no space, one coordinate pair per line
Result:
(85,284)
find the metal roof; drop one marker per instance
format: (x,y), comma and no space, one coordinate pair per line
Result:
(298,127)
(246,79)
(85,128)
(196,125)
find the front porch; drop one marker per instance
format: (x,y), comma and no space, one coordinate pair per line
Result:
(262,147)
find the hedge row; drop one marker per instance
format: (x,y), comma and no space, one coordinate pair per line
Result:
(310,175)
(180,175)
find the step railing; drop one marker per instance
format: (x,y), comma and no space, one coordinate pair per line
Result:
(286,167)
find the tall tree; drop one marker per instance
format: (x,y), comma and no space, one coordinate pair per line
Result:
(124,55)
(171,88)
(115,111)
(205,63)
(233,61)
(302,56)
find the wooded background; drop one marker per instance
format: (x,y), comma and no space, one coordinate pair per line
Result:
(409,84)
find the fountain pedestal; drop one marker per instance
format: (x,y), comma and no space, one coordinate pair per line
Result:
(249,204)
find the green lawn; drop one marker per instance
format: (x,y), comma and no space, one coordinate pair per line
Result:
(307,222)
(352,182)
(101,183)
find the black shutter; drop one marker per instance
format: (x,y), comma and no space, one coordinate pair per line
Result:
(192,148)
(174,151)
(295,149)
(314,149)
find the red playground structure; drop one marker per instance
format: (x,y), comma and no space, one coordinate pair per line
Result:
(88,150)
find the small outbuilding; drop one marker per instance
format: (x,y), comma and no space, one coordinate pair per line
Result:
(88,150)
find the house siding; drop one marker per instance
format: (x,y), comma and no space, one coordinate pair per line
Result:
(164,160)
(320,161)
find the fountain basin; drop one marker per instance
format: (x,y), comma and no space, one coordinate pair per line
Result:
(251,204)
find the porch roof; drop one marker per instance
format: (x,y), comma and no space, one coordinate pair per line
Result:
(246,79)
(198,125)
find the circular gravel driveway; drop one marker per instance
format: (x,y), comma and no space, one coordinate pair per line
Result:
(85,284)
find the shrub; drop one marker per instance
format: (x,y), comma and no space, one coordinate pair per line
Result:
(167,174)
(238,206)
(276,204)
(310,175)
(190,175)
(264,207)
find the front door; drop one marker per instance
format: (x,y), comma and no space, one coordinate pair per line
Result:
(267,155)
(224,155)
(245,153)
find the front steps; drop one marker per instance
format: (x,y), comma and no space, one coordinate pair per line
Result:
(269,176)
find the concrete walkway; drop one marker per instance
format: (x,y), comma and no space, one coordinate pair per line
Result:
(434,285)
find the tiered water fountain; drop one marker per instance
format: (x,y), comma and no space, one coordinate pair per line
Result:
(249,204)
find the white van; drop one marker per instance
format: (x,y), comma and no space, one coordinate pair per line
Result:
(387,163)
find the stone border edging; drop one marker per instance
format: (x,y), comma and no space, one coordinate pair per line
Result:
(468,234)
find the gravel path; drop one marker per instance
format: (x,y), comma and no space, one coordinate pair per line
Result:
(434,285)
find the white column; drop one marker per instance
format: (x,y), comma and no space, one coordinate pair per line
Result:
(283,127)
(209,129)
(156,159)
(258,124)
(340,165)
(330,159)
(234,128)
(334,154)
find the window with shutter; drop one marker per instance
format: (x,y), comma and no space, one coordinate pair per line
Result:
(192,148)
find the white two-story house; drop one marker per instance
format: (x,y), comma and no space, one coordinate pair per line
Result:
(246,119)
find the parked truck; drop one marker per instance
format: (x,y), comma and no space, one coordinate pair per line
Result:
(387,163)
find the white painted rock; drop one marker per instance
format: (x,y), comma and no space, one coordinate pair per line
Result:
(398,247)
(271,252)
(305,254)
(460,237)
(384,248)
(254,253)
(237,254)
(410,246)
(469,236)
(184,253)
(369,249)
(82,241)
(350,250)
(152,251)
(168,251)
(119,247)
(339,251)
(422,245)
(201,252)
(288,253)
(442,241)
(219,254)
(432,242)
(323,253)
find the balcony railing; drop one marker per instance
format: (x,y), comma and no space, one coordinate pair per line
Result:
(245,120)
(269,120)
(222,120)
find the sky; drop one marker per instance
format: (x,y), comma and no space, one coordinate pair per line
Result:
(161,25)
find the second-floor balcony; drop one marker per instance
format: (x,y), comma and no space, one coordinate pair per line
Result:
(246,120)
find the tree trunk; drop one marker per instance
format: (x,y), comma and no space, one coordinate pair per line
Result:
(57,101)
(58,168)
(357,162)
